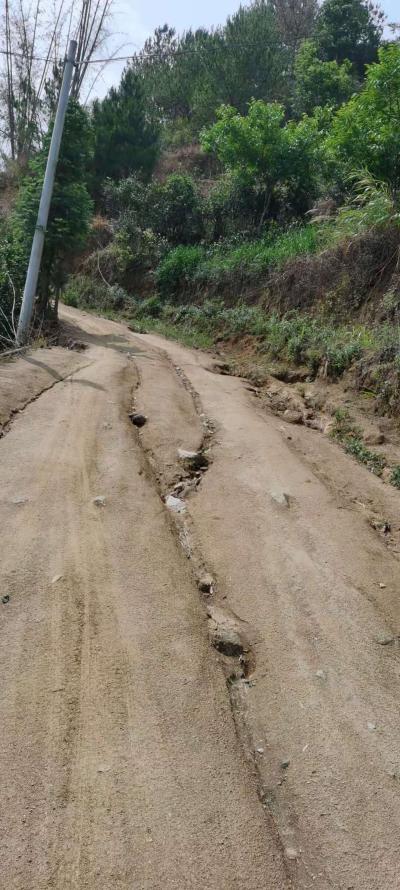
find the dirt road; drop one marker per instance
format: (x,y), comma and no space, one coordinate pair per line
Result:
(135,753)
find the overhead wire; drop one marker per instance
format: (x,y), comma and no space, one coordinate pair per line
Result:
(155,53)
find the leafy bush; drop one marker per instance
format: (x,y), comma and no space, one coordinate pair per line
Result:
(395,476)
(71,206)
(83,292)
(171,210)
(150,308)
(174,209)
(365,133)
(12,274)
(265,151)
(375,462)
(318,82)
(177,269)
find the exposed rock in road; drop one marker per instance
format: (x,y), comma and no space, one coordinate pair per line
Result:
(138,420)
(292,416)
(281,498)
(177,505)
(194,460)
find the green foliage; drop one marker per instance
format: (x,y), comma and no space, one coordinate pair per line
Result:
(350,436)
(264,151)
(196,268)
(372,205)
(232,208)
(349,29)
(177,269)
(375,462)
(71,206)
(365,133)
(318,82)
(126,139)
(296,337)
(395,476)
(149,308)
(186,77)
(12,267)
(174,209)
(84,293)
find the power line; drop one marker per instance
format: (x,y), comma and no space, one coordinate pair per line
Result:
(154,54)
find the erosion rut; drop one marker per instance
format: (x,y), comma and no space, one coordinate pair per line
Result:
(120,765)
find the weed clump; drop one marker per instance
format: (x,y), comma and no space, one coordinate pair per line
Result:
(350,436)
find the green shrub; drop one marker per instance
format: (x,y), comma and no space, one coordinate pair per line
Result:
(82,291)
(375,462)
(12,274)
(177,269)
(150,308)
(235,263)
(395,476)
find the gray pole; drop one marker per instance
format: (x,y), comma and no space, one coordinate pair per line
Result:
(32,274)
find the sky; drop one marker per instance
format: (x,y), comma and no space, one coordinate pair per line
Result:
(134,20)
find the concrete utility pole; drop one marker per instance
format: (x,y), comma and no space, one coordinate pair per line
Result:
(32,274)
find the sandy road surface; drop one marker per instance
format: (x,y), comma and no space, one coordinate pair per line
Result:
(121,766)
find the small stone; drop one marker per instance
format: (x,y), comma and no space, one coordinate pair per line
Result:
(138,420)
(260,750)
(206,583)
(285,764)
(175,504)
(371,727)
(281,498)
(291,853)
(76,345)
(320,674)
(186,455)
(99,501)
(384,639)
(329,428)
(222,368)
(293,416)
(56,578)
(315,424)
(382,585)
(374,438)
(5,599)
(19,502)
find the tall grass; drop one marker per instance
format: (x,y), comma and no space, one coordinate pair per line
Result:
(296,338)
(220,265)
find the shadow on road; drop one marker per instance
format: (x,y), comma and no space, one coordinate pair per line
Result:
(118,342)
